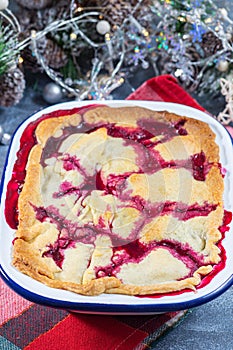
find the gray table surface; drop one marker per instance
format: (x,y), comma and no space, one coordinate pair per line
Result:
(206,327)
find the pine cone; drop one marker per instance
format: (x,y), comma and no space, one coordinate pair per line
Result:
(114,10)
(35,4)
(12,85)
(48,15)
(28,21)
(54,55)
(38,20)
(211,44)
(87,3)
(29,60)
(143,3)
(142,11)
(142,6)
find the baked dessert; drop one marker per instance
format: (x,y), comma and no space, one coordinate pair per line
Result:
(120,200)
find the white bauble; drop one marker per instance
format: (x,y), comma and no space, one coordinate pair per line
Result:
(224,12)
(223,66)
(3,4)
(103,27)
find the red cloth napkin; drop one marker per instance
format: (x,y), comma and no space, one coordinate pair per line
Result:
(164,88)
(29,326)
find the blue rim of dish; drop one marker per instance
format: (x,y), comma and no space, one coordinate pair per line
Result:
(102,307)
(115,308)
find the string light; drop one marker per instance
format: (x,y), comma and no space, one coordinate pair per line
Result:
(79,9)
(178,72)
(73,36)
(226,116)
(168,38)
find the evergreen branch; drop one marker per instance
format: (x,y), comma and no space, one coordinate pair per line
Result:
(8,48)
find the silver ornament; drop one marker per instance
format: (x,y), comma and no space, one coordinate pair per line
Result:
(52,93)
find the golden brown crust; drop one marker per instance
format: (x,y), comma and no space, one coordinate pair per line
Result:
(30,194)
(198,129)
(53,126)
(29,262)
(167,287)
(35,236)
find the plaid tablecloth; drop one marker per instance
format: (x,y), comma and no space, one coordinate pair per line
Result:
(25,325)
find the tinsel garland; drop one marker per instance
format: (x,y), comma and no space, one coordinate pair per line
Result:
(106,41)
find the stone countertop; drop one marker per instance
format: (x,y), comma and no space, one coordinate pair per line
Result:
(207,327)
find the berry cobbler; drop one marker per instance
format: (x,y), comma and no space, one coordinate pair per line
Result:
(118,200)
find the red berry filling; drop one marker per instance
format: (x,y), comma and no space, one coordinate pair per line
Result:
(56,250)
(136,251)
(74,233)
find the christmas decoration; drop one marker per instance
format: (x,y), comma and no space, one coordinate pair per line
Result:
(226,116)
(115,10)
(12,82)
(210,44)
(88,48)
(4,137)
(12,85)
(52,93)
(53,54)
(3,4)
(34,4)
(8,47)
(103,27)
(222,65)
